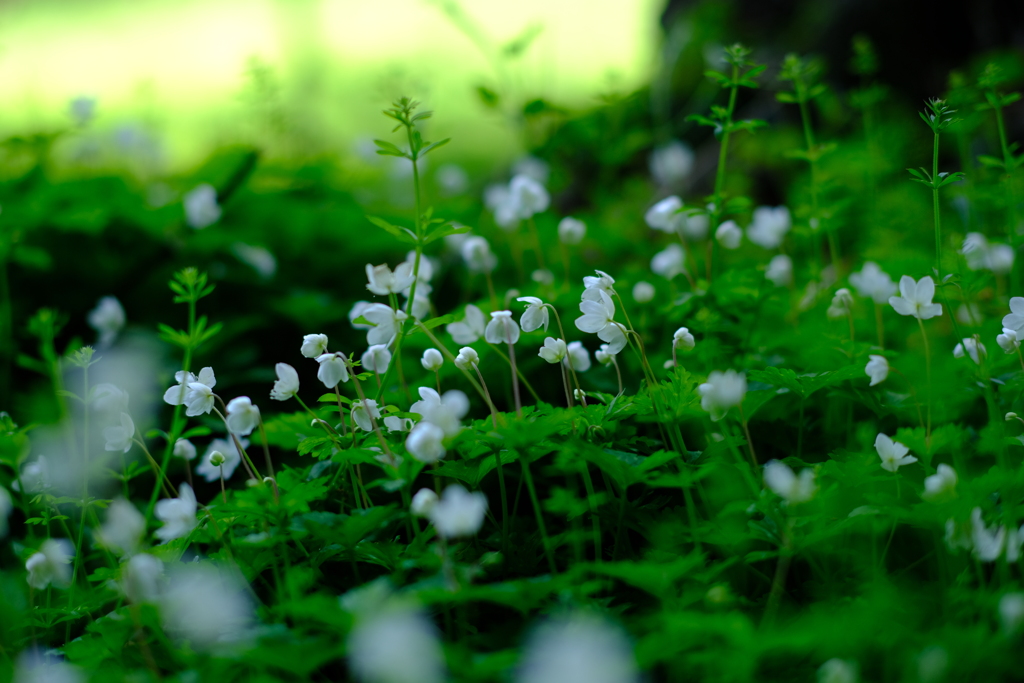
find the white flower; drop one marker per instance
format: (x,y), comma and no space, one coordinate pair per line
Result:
(232,459)
(671,163)
(476,252)
(780,271)
(141,577)
(837,671)
(916,298)
(83,109)
(470,329)
(124,527)
(535,316)
(381,281)
(643,292)
(769,226)
(780,479)
(969,314)
(578,648)
(989,544)
(594,286)
(683,339)
(432,360)
(52,564)
(669,262)
(459,512)
(362,411)
(665,215)
(877,369)
(395,644)
(729,235)
(258,258)
(1015,320)
(243,416)
(874,283)
(981,255)
(553,351)
(385,322)
(940,485)
(467,358)
(1011,612)
(426,442)
(376,358)
(177,514)
(333,369)
(604,355)
(695,226)
(35,476)
(199,399)
(972,347)
(178,393)
(358,308)
(107,319)
(1008,341)
(528,196)
(842,304)
(571,230)
(120,438)
(314,345)
(6,506)
(578,355)
(532,167)
(1000,259)
(423,502)
(599,318)
(502,329)
(393,423)
(108,398)
(201,209)
(287,384)
(722,391)
(443,411)
(892,453)
(206,605)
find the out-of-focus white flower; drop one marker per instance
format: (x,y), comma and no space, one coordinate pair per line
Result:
(1011,612)
(669,262)
(577,354)
(470,329)
(874,283)
(553,351)
(532,167)
(916,298)
(528,196)
(784,482)
(314,345)
(385,321)
(108,319)
(467,358)
(665,215)
(969,314)
(6,506)
(333,369)
(571,230)
(729,235)
(35,666)
(243,416)
(120,438)
(178,394)
(769,226)
(837,671)
(376,358)
(232,459)
(444,411)
(893,453)
(201,208)
(722,391)
(258,258)
(51,565)
(362,411)
(82,109)
(123,529)
(432,360)
(972,347)
(395,644)
(980,255)
(989,544)
(423,502)
(842,304)
(108,398)
(683,339)
(604,355)
(426,442)
(382,282)
(877,369)
(207,606)
(599,318)
(141,577)
(287,384)
(356,312)
(780,271)
(536,314)
(1015,320)
(941,485)
(502,329)
(578,648)
(452,179)
(35,477)
(671,163)
(177,514)
(1008,340)
(458,513)
(695,226)
(183,448)
(643,292)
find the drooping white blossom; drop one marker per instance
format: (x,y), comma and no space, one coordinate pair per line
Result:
(120,437)
(51,564)
(467,358)
(669,262)
(470,329)
(643,292)
(243,416)
(571,230)
(769,227)
(177,514)
(577,354)
(423,502)
(553,351)
(333,369)
(842,304)
(722,391)
(108,319)
(141,578)
(123,529)
(970,347)
(314,345)
(1008,341)
(671,163)
(599,318)
(444,411)
(287,384)
(376,358)
(502,329)
(729,235)
(426,442)
(528,196)
(206,605)
(779,271)
(395,643)
(578,648)
(873,283)
(185,449)
(201,208)
(385,321)
(877,369)
(458,513)
(363,411)
(941,485)
(665,215)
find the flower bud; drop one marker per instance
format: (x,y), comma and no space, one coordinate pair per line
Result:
(217,458)
(1011,416)
(432,360)
(467,358)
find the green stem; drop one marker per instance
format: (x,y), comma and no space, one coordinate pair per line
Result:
(935,206)
(528,478)
(718,198)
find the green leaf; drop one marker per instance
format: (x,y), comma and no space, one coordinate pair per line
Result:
(446,230)
(385,148)
(403,234)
